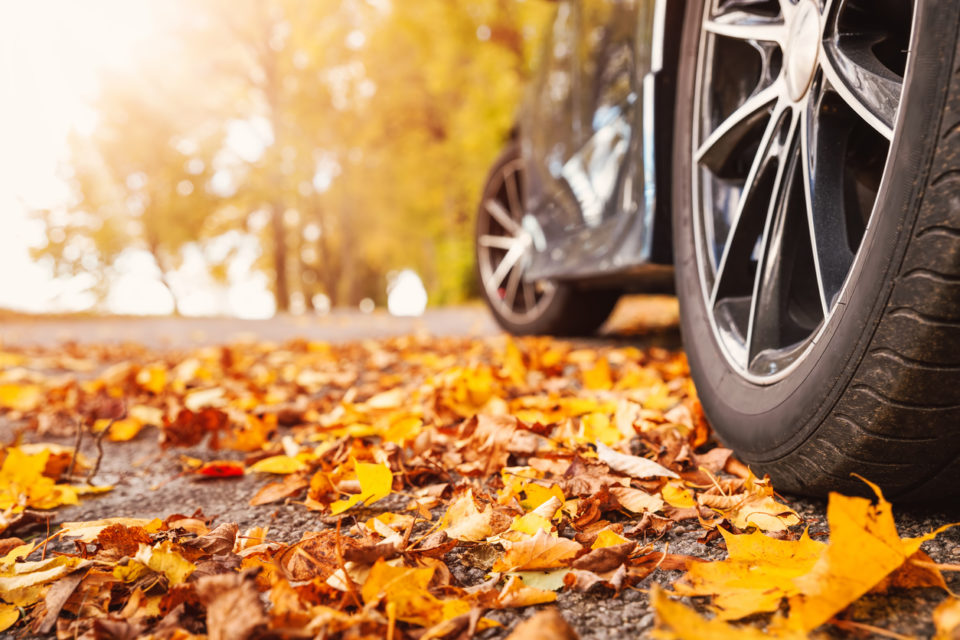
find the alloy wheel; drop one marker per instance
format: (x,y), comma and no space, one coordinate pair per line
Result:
(504,248)
(796,103)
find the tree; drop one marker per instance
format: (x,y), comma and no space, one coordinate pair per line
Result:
(361,131)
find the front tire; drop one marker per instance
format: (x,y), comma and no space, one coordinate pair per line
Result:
(817,236)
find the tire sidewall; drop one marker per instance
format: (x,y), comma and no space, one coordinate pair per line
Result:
(766,422)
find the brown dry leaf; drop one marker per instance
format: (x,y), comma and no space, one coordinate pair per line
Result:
(234,610)
(540,551)
(220,540)
(544,625)
(636,500)
(465,521)
(314,557)
(603,559)
(290,486)
(633,466)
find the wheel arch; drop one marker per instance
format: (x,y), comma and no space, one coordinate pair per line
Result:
(659,133)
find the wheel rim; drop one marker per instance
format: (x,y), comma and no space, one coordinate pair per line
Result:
(504,249)
(796,104)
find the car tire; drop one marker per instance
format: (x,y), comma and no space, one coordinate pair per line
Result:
(875,390)
(559,308)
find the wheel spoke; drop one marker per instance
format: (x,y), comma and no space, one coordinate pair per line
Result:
(726,138)
(766,153)
(496,242)
(529,295)
(743,25)
(862,81)
(509,261)
(513,196)
(821,148)
(513,284)
(768,301)
(501,215)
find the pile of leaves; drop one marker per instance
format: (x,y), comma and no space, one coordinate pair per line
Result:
(545,465)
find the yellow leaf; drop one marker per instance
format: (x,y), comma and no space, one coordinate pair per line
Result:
(403,430)
(864,548)
(599,427)
(540,551)
(464,520)
(120,430)
(597,378)
(24,588)
(516,594)
(755,577)
(22,483)
(162,558)
(547,580)
(406,590)
(153,378)
(9,615)
(279,464)
(391,399)
(376,482)
(677,496)
(676,621)
(537,495)
(946,617)
(531,523)
(608,538)
(20,397)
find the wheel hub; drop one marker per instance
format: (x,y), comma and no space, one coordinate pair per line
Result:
(802,49)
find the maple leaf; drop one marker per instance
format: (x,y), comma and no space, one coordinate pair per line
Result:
(676,621)
(376,482)
(818,580)
(539,551)
(755,577)
(406,590)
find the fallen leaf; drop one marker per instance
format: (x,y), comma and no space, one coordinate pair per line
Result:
(540,551)
(221,469)
(676,621)
(544,625)
(633,466)
(234,610)
(946,617)
(517,594)
(376,482)
(279,465)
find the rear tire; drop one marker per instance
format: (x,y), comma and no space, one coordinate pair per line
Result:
(521,307)
(875,388)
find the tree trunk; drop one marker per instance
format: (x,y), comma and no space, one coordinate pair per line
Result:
(280,258)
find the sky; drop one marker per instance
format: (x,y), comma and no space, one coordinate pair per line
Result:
(51,52)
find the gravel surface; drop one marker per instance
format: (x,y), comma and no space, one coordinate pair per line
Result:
(148,483)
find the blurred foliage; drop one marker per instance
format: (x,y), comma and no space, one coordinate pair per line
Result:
(350,137)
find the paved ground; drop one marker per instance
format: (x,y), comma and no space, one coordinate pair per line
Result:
(147,483)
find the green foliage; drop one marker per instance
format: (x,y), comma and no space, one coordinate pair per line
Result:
(378,121)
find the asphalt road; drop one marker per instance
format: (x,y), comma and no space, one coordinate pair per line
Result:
(148,483)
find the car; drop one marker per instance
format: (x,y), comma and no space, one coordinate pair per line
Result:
(791,169)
